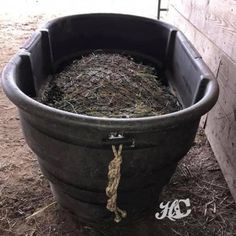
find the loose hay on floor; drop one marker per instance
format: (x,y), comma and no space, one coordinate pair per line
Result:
(109,85)
(199,178)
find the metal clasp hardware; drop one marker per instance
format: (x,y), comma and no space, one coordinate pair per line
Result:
(117,139)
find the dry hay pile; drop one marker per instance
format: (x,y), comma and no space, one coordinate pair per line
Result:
(109,85)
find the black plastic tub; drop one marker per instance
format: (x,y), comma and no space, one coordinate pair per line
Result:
(74,150)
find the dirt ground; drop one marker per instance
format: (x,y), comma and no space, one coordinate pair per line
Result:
(23,189)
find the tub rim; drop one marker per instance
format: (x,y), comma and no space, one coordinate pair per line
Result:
(35,108)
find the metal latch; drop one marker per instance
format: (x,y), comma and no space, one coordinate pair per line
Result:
(117,139)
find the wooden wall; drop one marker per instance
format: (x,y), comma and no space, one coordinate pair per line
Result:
(211,27)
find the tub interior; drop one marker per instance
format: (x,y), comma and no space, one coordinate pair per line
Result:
(150,41)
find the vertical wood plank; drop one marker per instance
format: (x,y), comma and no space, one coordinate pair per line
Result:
(221,123)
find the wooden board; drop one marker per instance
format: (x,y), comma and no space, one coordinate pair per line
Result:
(221,123)
(215,19)
(210,53)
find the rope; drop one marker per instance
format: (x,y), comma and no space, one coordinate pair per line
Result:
(113,183)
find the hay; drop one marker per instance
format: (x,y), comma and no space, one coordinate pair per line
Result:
(109,85)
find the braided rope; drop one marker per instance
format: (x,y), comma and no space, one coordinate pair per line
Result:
(113,183)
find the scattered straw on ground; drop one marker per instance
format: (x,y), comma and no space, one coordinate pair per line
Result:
(199,178)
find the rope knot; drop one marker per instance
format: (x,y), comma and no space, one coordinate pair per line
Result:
(113,183)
